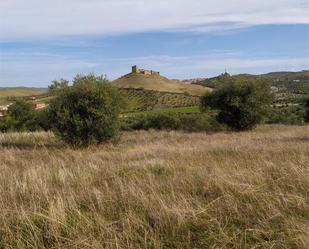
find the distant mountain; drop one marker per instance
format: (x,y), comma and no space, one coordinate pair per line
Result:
(282,76)
(291,81)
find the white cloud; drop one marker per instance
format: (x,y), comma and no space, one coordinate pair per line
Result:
(45,18)
(35,69)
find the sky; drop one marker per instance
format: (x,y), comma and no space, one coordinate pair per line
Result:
(44,40)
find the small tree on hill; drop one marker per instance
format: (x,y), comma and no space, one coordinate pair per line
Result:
(56,86)
(242,103)
(88,112)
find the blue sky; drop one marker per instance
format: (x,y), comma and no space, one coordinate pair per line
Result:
(42,42)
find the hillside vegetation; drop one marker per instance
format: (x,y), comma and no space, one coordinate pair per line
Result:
(158,83)
(145,100)
(296,82)
(157,190)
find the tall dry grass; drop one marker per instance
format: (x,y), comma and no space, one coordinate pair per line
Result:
(157,190)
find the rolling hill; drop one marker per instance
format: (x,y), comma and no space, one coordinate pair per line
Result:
(12,92)
(281,76)
(20,91)
(158,83)
(297,82)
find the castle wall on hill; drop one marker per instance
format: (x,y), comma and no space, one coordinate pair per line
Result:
(137,70)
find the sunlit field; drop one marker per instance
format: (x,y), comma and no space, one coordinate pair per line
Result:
(157,189)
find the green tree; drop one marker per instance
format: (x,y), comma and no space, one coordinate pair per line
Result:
(242,103)
(21,116)
(87,112)
(42,119)
(56,86)
(5,124)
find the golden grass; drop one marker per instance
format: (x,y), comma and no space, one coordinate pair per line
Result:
(157,190)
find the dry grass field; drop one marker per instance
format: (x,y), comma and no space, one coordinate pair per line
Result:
(157,190)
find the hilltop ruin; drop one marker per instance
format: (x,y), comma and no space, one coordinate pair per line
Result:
(137,70)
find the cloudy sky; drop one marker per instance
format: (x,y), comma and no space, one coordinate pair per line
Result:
(42,40)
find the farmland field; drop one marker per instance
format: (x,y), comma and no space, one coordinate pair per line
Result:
(157,190)
(145,100)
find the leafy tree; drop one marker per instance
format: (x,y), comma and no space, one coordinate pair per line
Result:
(42,119)
(5,124)
(88,112)
(57,86)
(242,103)
(21,116)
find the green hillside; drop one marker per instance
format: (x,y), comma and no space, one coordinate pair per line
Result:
(145,100)
(296,82)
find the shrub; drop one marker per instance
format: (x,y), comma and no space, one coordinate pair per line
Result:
(200,122)
(158,121)
(242,103)
(4,124)
(172,121)
(42,119)
(292,115)
(86,113)
(163,121)
(21,116)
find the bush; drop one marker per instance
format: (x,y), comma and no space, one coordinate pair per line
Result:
(21,116)
(86,113)
(292,115)
(42,119)
(200,122)
(157,121)
(4,124)
(242,103)
(172,121)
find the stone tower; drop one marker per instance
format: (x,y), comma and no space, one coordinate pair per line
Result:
(135,69)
